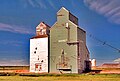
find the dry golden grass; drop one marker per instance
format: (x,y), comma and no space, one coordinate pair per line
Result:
(82,77)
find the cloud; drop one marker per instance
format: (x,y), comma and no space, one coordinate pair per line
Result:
(12,62)
(13,42)
(15,29)
(52,4)
(37,3)
(31,3)
(41,3)
(117,60)
(108,8)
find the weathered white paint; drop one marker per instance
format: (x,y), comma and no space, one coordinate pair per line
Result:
(39,55)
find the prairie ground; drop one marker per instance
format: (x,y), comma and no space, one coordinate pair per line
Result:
(81,77)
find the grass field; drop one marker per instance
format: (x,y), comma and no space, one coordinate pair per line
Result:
(70,77)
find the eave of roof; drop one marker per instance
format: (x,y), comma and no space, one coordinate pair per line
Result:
(40,36)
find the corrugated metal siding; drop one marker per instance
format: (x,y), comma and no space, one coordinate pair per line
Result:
(58,41)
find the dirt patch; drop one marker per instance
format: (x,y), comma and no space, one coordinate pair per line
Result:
(110,71)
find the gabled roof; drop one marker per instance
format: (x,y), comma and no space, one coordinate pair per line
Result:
(44,24)
(63,9)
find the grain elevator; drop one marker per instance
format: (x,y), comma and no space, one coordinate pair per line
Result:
(39,49)
(68,50)
(61,48)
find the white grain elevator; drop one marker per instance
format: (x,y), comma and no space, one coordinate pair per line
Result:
(39,52)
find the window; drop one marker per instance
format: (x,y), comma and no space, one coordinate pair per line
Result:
(35,52)
(38,57)
(42,61)
(36,48)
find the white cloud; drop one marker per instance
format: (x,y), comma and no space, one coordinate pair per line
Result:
(41,3)
(117,60)
(31,3)
(52,4)
(9,42)
(15,29)
(108,8)
(37,3)
(13,62)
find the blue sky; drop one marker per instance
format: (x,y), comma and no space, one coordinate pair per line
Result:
(19,18)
